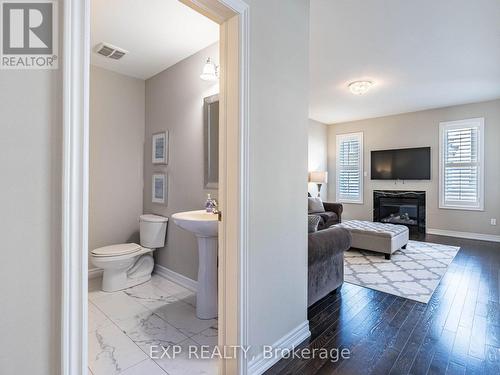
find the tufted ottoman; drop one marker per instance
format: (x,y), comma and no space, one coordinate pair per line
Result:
(379,237)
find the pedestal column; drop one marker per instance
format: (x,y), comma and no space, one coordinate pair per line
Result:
(206,296)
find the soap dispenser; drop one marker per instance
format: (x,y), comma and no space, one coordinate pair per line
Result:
(209,204)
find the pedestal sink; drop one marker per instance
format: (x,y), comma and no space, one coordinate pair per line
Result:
(205,227)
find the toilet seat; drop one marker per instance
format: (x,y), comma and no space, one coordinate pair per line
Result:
(116,250)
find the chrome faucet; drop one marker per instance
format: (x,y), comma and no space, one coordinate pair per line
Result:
(215,206)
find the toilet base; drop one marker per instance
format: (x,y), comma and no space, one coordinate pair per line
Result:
(118,279)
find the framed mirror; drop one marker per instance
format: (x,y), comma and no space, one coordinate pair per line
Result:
(211,140)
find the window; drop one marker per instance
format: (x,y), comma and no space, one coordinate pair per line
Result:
(461,162)
(350,168)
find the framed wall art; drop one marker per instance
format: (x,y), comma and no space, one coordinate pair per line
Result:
(160,148)
(159,188)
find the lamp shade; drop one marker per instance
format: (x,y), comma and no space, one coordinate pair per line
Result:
(318,177)
(209,72)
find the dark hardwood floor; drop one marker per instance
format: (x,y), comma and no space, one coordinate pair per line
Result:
(457,332)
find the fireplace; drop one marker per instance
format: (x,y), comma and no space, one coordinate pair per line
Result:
(400,207)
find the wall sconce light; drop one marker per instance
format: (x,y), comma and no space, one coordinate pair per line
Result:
(210,71)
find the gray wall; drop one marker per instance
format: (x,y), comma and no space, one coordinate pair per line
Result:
(422,129)
(30,221)
(279,106)
(318,154)
(116,157)
(174,102)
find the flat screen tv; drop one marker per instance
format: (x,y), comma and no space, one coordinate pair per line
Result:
(401,164)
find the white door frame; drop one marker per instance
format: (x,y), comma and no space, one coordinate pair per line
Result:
(232,15)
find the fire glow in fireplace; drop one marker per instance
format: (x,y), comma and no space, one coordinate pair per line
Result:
(400,207)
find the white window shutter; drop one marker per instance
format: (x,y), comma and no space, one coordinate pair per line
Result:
(461,164)
(349,169)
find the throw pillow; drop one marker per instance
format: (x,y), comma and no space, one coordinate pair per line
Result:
(312,223)
(315,205)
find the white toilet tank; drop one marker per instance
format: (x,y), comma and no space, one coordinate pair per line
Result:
(152,230)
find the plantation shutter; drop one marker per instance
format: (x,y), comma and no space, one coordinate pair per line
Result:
(349,168)
(461,165)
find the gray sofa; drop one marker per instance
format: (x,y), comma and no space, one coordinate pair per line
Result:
(330,215)
(326,261)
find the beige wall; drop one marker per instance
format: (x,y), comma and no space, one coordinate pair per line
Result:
(422,129)
(317,154)
(116,157)
(174,102)
(30,221)
(277,254)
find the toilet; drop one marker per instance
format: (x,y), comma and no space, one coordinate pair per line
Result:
(129,264)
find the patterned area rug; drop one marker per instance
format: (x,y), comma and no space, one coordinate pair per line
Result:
(412,273)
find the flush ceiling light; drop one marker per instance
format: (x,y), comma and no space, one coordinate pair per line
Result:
(360,87)
(210,71)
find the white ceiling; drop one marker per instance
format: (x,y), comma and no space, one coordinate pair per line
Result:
(157,34)
(421,54)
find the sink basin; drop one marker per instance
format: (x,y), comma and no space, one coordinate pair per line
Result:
(201,223)
(205,227)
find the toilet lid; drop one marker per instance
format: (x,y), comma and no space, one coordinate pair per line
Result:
(120,249)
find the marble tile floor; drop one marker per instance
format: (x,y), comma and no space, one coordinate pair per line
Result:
(123,327)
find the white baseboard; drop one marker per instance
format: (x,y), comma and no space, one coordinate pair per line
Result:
(94,273)
(182,280)
(259,364)
(472,236)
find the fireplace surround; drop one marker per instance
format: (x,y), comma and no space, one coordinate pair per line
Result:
(400,207)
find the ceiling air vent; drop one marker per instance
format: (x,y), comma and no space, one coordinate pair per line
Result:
(110,51)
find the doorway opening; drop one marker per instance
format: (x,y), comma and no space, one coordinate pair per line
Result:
(233,169)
